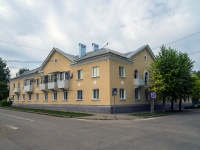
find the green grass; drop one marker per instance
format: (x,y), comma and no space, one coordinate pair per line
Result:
(156,114)
(51,112)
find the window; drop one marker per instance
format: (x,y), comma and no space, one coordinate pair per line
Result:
(13,86)
(45,96)
(145,57)
(37,97)
(147,95)
(80,74)
(55,60)
(79,95)
(37,82)
(18,84)
(121,72)
(29,97)
(146,78)
(65,95)
(55,96)
(95,94)
(137,94)
(95,72)
(18,97)
(136,74)
(122,94)
(23,97)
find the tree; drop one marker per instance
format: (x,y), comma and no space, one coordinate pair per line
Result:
(4,78)
(195,95)
(22,70)
(170,76)
(198,74)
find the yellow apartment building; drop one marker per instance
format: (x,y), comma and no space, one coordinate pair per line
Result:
(85,82)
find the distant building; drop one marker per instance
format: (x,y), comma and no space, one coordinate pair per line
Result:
(85,82)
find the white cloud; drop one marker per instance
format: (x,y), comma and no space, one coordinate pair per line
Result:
(125,25)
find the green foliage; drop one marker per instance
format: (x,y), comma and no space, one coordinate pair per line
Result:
(4,91)
(4,102)
(195,94)
(198,74)
(4,71)
(170,75)
(22,70)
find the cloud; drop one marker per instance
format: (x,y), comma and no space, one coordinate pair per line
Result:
(125,25)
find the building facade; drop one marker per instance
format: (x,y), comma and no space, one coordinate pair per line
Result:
(85,82)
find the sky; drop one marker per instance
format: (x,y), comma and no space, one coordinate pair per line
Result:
(125,24)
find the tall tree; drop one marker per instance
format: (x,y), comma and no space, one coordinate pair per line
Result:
(170,76)
(196,89)
(22,70)
(198,74)
(4,78)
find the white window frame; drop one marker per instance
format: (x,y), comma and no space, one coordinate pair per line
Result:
(54,96)
(23,97)
(138,94)
(95,71)
(149,95)
(147,76)
(136,75)
(95,94)
(121,71)
(122,94)
(18,97)
(45,96)
(145,57)
(65,95)
(37,97)
(29,97)
(77,95)
(79,74)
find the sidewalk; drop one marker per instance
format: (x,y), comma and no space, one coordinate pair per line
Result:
(103,116)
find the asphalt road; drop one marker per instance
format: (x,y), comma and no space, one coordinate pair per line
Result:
(26,131)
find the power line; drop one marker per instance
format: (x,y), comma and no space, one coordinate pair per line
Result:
(24,45)
(194,52)
(178,40)
(23,61)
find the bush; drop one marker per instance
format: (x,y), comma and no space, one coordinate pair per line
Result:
(198,105)
(4,102)
(190,107)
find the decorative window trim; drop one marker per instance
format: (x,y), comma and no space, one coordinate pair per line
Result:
(97,94)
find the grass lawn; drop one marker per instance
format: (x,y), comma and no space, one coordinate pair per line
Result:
(51,112)
(156,114)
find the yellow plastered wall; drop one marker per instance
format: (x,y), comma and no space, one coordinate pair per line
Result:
(108,79)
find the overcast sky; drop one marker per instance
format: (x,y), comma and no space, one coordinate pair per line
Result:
(125,24)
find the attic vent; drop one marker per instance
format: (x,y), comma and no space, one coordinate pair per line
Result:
(95,47)
(145,57)
(55,60)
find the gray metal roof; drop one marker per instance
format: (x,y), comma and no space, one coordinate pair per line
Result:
(71,57)
(27,73)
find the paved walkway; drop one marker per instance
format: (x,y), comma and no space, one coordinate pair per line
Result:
(103,116)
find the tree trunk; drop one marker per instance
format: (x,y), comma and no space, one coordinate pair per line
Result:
(172,105)
(163,105)
(180,104)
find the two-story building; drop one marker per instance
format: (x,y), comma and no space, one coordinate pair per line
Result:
(85,82)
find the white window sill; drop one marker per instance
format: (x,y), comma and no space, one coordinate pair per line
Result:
(64,100)
(79,79)
(36,100)
(96,77)
(23,100)
(54,100)
(122,99)
(137,99)
(45,100)
(95,99)
(122,77)
(79,99)
(29,100)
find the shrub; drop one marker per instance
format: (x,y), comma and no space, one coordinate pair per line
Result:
(4,102)
(190,107)
(198,105)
